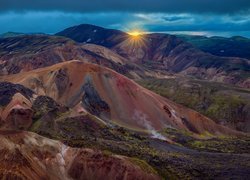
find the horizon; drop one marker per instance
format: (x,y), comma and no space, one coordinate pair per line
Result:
(224,18)
(209,34)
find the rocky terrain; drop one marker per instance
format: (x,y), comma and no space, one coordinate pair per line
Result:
(91,145)
(28,52)
(235,46)
(25,155)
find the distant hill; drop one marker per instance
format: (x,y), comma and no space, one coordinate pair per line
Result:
(16,34)
(87,33)
(11,34)
(236,46)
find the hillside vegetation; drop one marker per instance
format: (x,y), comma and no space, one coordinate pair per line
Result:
(224,104)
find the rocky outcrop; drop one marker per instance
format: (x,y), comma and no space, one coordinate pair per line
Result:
(8,90)
(18,119)
(26,155)
(61,81)
(44,105)
(20,107)
(92,101)
(15,106)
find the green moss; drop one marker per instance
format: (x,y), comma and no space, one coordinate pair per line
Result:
(35,126)
(222,103)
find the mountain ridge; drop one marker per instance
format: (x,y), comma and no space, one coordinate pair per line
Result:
(169,53)
(92,87)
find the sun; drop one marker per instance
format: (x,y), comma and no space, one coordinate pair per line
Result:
(136,39)
(135,33)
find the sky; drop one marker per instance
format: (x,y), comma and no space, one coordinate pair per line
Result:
(197,17)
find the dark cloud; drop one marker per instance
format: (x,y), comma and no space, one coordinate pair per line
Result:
(55,21)
(51,16)
(175,18)
(170,6)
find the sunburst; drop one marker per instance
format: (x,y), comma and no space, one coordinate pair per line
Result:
(136,39)
(135,33)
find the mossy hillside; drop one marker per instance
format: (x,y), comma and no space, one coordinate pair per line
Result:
(208,143)
(170,161)
(224,104)
(231,47)
(186,159)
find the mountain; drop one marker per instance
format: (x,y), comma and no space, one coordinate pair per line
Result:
(11,34)
(236,46)
(87,33)
(165,52)
(111,96)
(25,53)
(150,55)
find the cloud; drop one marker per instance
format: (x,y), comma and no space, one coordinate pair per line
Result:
(194,22)
(55,21)
(175,18)
(164,6)
(51,16)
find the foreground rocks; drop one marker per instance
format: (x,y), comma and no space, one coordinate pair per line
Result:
(26,155)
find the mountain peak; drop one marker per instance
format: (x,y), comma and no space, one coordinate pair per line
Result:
(87,33)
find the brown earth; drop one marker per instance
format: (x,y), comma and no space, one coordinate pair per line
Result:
(25,155)
(115,97)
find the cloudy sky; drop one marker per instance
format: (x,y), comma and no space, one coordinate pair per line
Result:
(208,17)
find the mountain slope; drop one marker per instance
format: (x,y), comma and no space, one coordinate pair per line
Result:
(236,46)
(172,152)
(111,96)
(25,155)
(166,52)
(225,104)
(87,33)
(25,53)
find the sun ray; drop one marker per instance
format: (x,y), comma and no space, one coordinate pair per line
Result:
(136,39)
(135,33)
